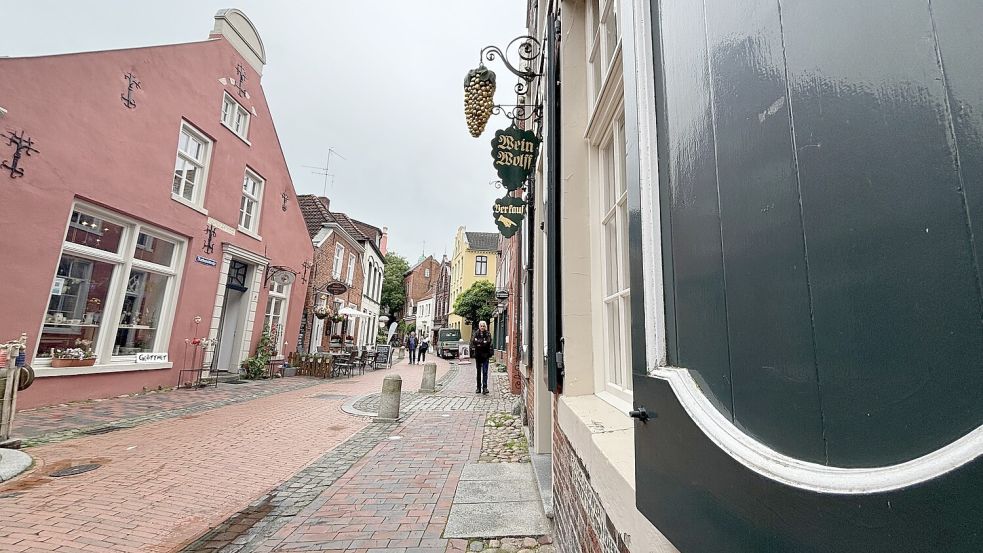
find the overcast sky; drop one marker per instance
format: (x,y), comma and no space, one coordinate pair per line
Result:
(380,81)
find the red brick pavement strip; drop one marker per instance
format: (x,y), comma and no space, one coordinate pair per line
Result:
(397,498)
(58,422)
(163,483)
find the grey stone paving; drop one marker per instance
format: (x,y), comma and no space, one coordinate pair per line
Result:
(505,494)
(496,500)
(249,528)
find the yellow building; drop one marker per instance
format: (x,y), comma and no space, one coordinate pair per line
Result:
(474,259)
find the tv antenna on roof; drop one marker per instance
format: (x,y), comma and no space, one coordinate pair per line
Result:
(326,170)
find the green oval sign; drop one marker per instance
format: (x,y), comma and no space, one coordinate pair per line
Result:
(514,151)
(509,213)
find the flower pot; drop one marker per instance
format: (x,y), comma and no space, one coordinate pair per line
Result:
(59,363)
(321,316)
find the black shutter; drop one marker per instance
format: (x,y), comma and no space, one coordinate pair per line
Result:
(554,314)
(820,206)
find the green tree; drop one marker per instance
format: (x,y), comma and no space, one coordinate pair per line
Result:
(476,303)
(393,289)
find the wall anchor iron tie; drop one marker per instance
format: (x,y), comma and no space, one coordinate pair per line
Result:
(22,146)
(132,83)
(209,236)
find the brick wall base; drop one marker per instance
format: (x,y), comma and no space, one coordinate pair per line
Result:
(582,525)
(528,391)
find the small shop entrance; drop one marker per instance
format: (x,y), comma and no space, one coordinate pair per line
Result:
(232,323)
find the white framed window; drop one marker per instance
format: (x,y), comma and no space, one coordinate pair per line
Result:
(235,117)
(339,258)
(604,41)
(351,269)
(191,166)
(481,265)
(276,314)
(426,273)
(114,289)
(249,207)
(611,219)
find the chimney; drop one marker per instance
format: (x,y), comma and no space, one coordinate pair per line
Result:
(384,241)
(325,202)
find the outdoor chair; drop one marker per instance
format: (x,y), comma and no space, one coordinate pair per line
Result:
(344,364)
(363,360)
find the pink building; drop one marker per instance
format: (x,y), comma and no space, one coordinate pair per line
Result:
(105,230)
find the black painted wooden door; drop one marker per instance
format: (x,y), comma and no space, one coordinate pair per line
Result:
(822,205)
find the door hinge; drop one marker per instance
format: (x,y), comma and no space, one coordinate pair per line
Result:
(559,356)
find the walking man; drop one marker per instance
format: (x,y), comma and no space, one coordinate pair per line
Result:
(411,345)
(481,349)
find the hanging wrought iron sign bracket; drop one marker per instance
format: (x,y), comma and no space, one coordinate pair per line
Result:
(22,146)
(529,51)
(273,270)
(479,84)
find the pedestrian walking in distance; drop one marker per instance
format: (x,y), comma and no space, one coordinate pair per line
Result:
(481,350)
(411,344)
(424,346)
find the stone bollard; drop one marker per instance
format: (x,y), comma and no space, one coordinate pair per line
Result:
(429,383)
(392,386)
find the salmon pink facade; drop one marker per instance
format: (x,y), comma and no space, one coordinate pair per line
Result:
(106,243)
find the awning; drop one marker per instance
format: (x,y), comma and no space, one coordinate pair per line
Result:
(352,312)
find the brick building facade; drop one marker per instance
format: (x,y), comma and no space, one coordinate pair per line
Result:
(442,294)
(418,282)
(337,258)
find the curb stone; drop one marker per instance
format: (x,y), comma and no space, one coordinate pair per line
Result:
(13,462)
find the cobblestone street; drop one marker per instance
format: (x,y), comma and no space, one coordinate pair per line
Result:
(264,466)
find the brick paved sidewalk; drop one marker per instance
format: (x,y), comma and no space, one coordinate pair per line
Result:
(60,422)
(165,482)
(397,498)
(388,489)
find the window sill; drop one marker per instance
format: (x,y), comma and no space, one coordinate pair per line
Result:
(237,135)
(250,233)
(602,431)
(603,438)
(181,200)
(44,372)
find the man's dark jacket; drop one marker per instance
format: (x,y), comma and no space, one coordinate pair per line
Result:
(481,345)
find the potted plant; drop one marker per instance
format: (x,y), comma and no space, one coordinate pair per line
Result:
(79,356)
(321,312)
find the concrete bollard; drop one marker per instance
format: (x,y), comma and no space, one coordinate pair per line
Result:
(429,383)
(392,387)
